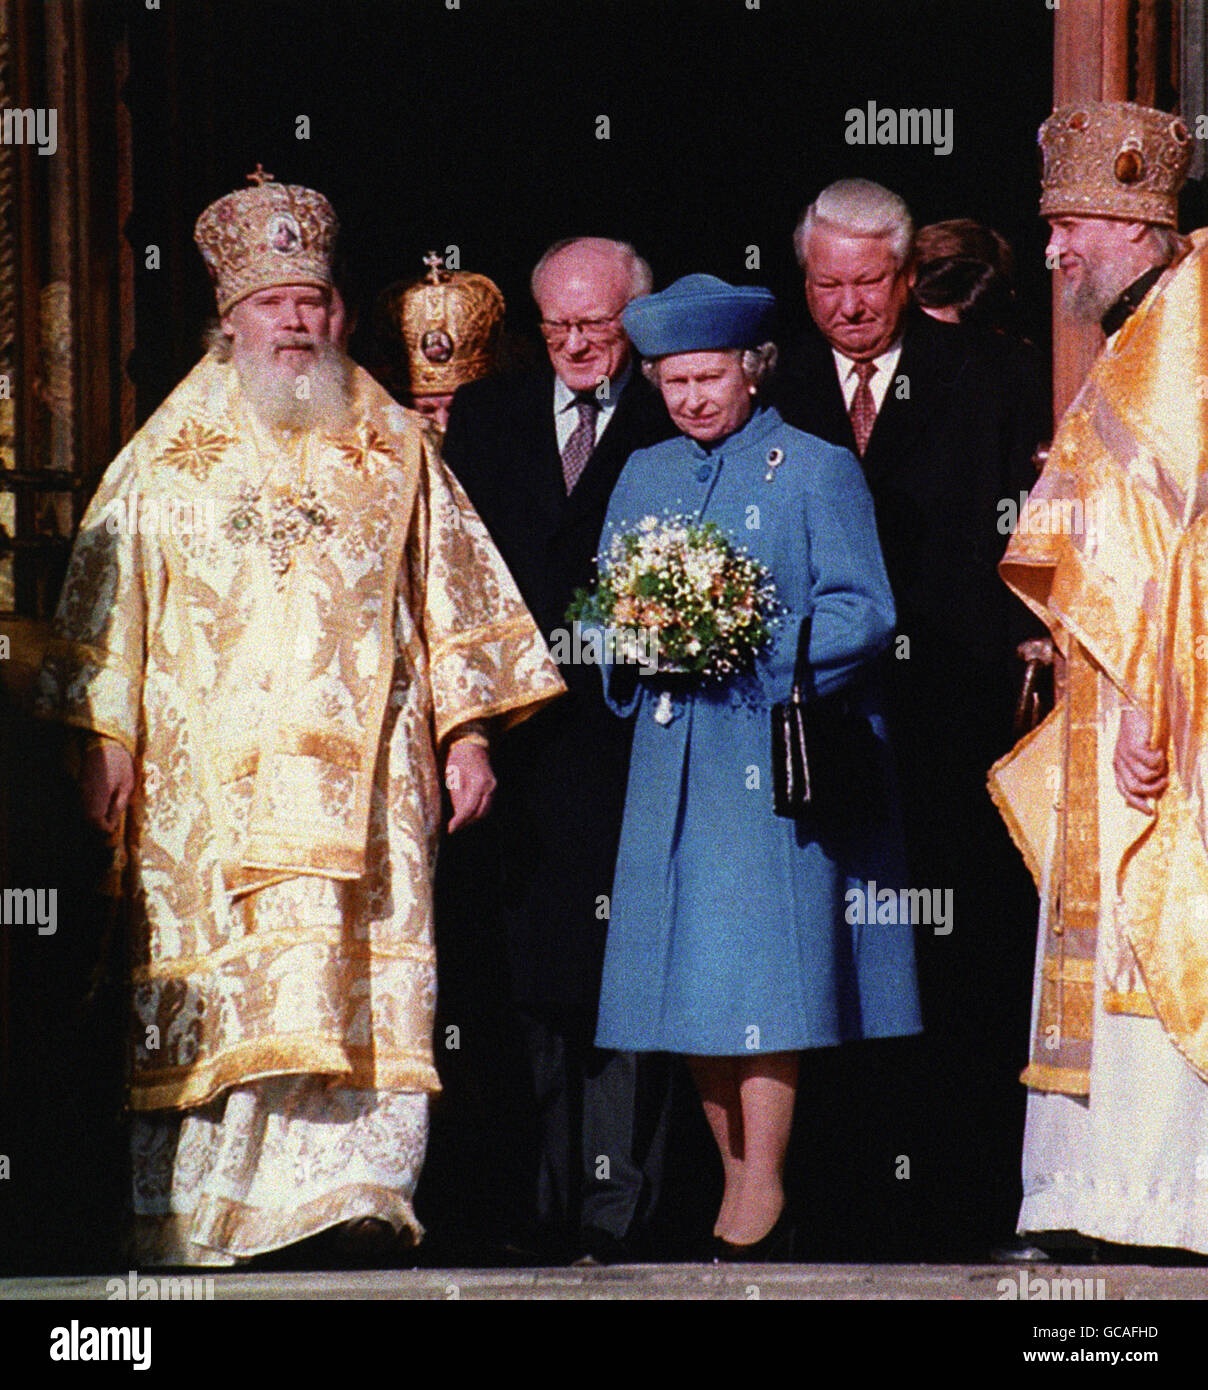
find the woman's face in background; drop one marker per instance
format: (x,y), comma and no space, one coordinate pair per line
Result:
(706,393)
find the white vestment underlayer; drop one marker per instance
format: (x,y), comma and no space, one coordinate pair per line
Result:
(272,1162)
(1129,1164)
(286,679)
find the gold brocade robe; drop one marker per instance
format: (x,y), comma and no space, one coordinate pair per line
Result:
(1112,552)
(283,629)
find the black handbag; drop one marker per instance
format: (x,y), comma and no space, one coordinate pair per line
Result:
(826,759)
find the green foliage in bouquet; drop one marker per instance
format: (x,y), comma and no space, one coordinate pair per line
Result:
(711,604)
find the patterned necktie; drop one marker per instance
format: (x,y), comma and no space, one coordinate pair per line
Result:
(581,442)
(863,409)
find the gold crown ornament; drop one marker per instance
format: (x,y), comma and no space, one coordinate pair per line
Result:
(449,323)
(1113,159)
(266,235)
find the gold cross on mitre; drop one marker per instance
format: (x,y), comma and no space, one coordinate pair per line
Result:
(435,264)
(258,176)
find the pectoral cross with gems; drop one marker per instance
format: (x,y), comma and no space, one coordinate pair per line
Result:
(292,521)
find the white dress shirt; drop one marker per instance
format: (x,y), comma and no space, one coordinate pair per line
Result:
(886,364)
(566,416)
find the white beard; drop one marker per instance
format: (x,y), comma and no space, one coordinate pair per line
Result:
(319,394)
(1095,293)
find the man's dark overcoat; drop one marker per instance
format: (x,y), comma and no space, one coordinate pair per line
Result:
(561,773)
(953,440)
(952,444)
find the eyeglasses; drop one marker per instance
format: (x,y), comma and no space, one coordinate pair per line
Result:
(557,331)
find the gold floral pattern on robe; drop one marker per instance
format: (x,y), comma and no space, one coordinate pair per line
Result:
(1119,574)
(196,449)
(272,1162)
(284,828)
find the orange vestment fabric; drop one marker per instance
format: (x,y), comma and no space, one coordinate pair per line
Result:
(1112,552)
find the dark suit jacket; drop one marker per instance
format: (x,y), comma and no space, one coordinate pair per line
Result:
(953,440)
(947,448)
(561,773)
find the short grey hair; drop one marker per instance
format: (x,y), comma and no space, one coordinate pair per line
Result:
(757,363)
(858,207)
(636,270)
(1166,244)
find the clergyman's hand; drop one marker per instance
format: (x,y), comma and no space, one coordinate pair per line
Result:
(1140,770)
(106,784)
(470,781)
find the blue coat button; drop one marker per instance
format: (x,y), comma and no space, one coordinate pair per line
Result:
(704,473)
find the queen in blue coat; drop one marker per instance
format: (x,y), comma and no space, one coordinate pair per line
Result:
(735,936)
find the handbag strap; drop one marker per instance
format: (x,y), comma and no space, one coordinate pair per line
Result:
(803,675)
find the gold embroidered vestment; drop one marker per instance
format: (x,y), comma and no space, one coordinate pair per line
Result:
(1114,558)
(284,677)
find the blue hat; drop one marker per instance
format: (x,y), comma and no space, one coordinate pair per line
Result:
(699,313)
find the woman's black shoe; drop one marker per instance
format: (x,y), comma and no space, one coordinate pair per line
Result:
(774,1248)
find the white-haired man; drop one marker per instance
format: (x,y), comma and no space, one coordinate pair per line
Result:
(539,454)
(1106,799)
(272,689)
(945,419)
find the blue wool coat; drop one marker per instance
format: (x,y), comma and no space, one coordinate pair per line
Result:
(728,931)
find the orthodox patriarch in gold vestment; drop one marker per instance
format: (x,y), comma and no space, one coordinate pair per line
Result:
(1113,555)
(287,621)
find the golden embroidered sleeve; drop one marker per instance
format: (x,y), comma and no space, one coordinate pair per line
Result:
(486,657)
(92,675)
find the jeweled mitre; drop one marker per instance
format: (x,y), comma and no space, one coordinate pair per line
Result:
(266,235)
(448,324)
(1113,159)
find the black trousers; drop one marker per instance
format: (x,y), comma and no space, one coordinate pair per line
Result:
(600,1126)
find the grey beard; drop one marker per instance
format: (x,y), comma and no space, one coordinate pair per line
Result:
(320,395)
(1095,293)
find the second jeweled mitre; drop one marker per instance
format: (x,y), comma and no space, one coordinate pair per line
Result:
(448,323)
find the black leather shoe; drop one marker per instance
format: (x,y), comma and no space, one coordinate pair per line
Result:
(598,1247)
(537,1248)
(366,1242)
(774,1248)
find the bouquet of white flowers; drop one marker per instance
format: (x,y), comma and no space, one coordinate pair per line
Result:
(709,605)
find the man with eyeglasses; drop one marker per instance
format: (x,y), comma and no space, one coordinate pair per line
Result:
(539,453)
